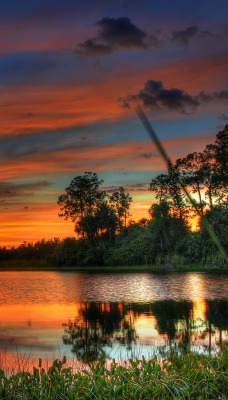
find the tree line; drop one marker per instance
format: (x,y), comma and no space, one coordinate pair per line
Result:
(105,234)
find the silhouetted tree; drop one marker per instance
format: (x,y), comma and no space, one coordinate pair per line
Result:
(103,222)
(192,175)
(121,202)
(81,198)
(167,189)
(166,229)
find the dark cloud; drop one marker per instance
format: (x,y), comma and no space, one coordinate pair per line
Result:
(186,35)
(114,33)
(9,190)
(155,97)
(121,32)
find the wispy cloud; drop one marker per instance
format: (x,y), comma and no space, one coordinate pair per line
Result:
(9,190)
(184,37)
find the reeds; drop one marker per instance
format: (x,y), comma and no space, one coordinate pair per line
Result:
(191,376)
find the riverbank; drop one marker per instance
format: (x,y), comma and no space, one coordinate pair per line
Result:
(191,376)
(43,265)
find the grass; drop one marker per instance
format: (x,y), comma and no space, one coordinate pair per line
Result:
(191,376)
(44,265)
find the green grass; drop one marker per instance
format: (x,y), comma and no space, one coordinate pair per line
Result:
(192,376)
(44,265)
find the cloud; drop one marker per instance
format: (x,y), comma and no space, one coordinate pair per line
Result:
(114,33)
(9,190)
(155,96)
(121,156)
(184,36)
(121,32)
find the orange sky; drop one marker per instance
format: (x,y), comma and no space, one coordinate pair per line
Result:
(64,78)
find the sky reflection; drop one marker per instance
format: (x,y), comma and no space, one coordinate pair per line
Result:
(131,313)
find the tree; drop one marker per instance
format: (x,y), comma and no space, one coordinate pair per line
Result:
(82,197)
(166,229)
(218,220)
(167,189)
(160,186)
(102,222)
(221,147)
(207,170)
(192,174)
(216,155)
(210,174)
(121,201)
(106,220)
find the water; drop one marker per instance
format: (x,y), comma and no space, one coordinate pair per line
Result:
(51,314)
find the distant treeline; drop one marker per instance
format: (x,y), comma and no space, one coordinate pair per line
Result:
(106,235)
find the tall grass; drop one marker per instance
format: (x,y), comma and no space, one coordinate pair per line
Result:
(191,376)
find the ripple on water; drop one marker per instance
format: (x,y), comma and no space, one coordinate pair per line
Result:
(69,287)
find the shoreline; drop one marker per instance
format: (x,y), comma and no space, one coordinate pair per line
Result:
(42,265)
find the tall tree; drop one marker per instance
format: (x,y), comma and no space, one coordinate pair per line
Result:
(160,186)
(210,175)
(192,174)
(166,228)
(121,202)
(103,222)
(221,144)
(167,189)
(218,158)
(81,198)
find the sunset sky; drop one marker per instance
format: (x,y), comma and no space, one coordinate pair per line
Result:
(68,69)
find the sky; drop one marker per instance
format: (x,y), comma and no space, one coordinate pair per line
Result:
(69,70)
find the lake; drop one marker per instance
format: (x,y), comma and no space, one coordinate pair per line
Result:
(84,316)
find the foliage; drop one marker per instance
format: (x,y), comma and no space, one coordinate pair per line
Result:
(191,376)
(81,198)
(121,202)
(166,229)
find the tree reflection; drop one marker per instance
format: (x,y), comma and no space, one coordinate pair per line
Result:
(174,318)
(217,317)
(93,330)
(127,335)
(101,325)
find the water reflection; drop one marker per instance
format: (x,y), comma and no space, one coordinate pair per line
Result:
(176,326)
(111,315)
(71,287)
